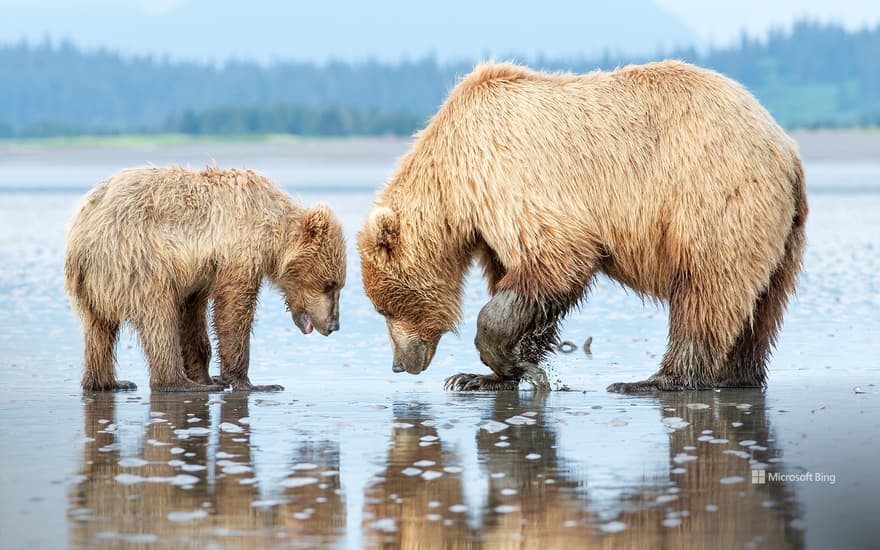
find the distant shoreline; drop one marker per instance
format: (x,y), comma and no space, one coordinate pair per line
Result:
(269,144)
(815,146)
(78,164)
(838,145)
(300,164)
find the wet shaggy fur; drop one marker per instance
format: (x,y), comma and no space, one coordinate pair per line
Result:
(151,246)
(666,177)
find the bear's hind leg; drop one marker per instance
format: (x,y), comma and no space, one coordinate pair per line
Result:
(701,334)
(747,363)
(690,363)
(195,344)
(99,373)
(160,337)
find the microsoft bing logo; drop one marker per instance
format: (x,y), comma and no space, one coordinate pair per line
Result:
(759,477)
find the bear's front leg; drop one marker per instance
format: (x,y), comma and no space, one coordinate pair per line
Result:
(234,308)
(508,340)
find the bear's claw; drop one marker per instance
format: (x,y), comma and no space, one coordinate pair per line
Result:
(191,387)
(251,387)
(643,386)
(655,384)
(479,382)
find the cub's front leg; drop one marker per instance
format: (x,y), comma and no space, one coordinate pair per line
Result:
(512,336)
(234,307)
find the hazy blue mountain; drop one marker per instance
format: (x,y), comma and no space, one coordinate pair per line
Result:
(387,30)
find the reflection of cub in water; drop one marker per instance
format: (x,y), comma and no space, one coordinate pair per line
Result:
(197,490)
(531,496)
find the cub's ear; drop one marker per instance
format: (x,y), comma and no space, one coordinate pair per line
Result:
(316,223)
(382,231)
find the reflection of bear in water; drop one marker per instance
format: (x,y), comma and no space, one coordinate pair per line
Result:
(551,500)
(527,501)
(717,422)
(668,178)
(408,492)
(152,245)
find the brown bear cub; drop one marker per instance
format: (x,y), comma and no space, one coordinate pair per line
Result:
(668,178)
(152,246)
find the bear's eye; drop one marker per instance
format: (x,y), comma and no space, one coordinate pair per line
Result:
(385,314)
(330,286)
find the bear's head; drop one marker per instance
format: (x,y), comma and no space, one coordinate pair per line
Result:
(419,299)
(311,271)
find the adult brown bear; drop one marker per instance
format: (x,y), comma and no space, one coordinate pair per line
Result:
(666,177)
(152,245)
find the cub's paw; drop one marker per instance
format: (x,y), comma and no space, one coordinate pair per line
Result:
(479,382)
(117,385)
(219,381)
(125,385)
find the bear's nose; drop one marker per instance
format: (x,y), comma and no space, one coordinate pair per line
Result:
(397,367)
(333,327)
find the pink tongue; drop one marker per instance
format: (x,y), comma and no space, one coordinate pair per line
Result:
(307,321)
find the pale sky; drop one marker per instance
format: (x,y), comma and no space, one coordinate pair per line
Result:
(265,30)
(715,20)
(720,22)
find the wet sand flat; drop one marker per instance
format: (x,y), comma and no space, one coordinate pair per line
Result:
(351,455)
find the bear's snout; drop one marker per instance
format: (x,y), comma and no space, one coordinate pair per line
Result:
(411,352)
(412,356)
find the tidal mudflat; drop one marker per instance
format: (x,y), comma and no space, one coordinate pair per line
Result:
(352,455)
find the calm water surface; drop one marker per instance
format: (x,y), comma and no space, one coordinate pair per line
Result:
(354,456)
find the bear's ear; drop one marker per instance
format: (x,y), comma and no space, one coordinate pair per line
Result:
(384,229)
(315,223)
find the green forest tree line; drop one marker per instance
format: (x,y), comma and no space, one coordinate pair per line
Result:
(815,75)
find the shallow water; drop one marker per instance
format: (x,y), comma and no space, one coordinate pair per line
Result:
(352,455)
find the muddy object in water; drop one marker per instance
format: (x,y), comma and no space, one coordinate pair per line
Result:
(587,343)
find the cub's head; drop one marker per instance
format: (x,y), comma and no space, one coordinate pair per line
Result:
(417,298)
(311,272)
